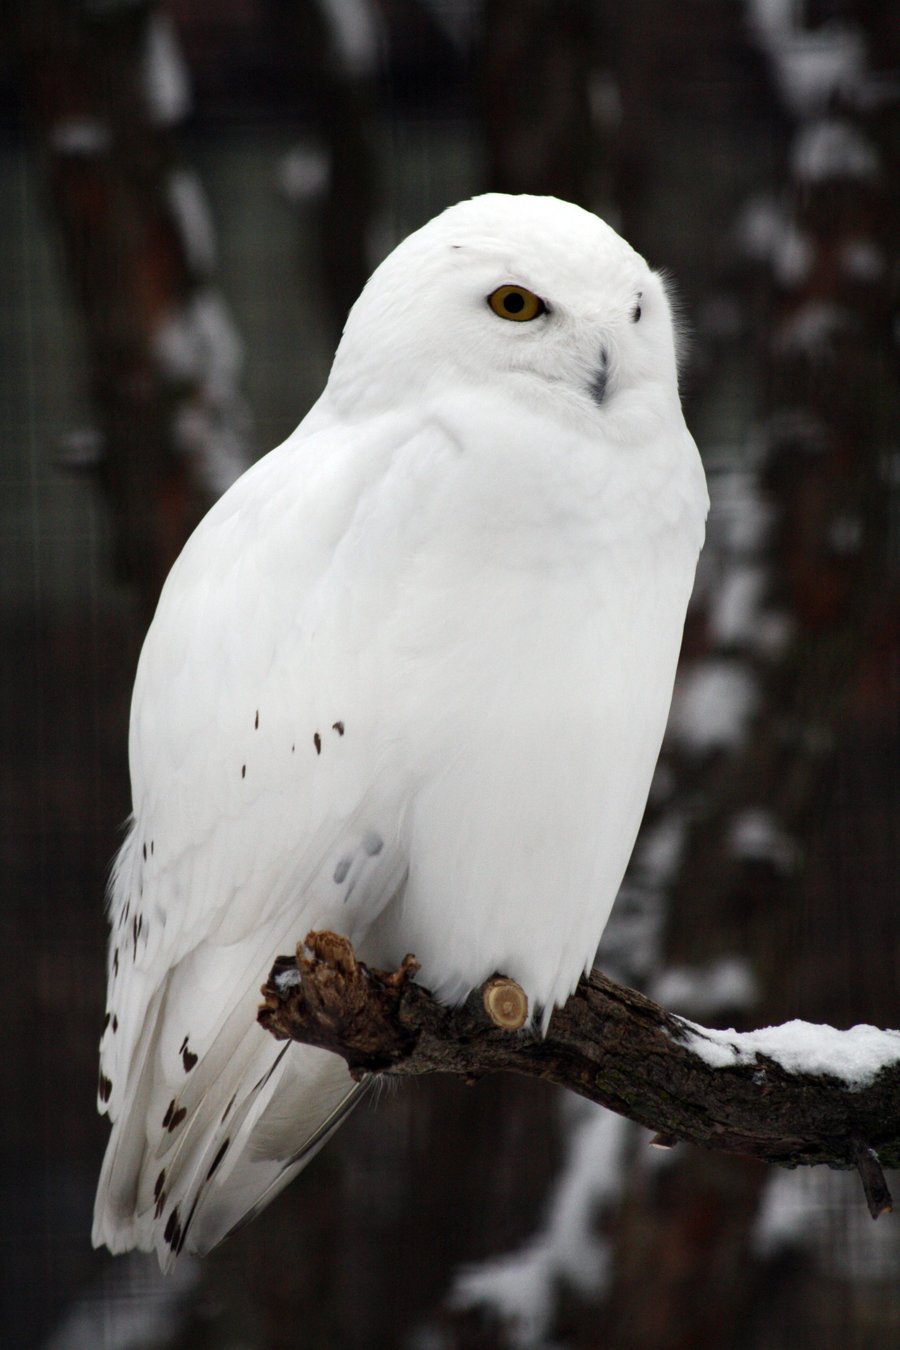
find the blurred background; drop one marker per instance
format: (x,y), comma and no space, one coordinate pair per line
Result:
(192,196)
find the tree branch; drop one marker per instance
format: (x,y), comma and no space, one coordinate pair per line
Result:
(608,1043)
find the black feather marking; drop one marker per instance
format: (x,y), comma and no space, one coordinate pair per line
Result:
(170,1111)
(256,721)
(152,846)
(160,1182)
(338,727)
(217,1159)
(177,1118)
(188,1058)
(104,1088)
(115,1024)
(340,872)
(144,850)
(373,843)
(172,1231)
(116,961)
(243,770)
(106,1020)
(317,742)
(183,1232)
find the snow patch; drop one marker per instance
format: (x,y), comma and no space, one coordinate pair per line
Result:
(287,979)
(740,518)
(855,1056)
(705,990)
(188,204)
(84,136)
(812,328)
(864,261)
(812,67)
(756,836)
(166,82)
(520,1289)
(200,341)
(734,609)
(830,148)
(354,35)
(818,1209)
(304,173)
(713,706)
(132,1306)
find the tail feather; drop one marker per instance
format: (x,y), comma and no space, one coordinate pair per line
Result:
(202,1140)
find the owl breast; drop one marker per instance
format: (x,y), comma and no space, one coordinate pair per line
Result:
(534,722)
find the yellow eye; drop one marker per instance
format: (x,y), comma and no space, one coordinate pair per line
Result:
(514,302)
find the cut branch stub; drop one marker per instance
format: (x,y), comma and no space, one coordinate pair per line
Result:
(505,1003)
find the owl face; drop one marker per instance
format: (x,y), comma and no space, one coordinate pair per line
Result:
(530,297)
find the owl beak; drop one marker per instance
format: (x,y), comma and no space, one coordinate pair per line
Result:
(598,384)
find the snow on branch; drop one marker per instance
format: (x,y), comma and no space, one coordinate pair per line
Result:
(791,1095)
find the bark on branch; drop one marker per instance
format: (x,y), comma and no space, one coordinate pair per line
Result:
(608,1043)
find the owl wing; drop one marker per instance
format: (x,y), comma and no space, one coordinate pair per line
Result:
(268,800)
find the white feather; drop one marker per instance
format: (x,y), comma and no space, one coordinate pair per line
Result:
(408,680)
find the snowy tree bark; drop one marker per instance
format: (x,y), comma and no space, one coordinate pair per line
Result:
(608,1043)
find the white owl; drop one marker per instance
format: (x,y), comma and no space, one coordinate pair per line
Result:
(408,681)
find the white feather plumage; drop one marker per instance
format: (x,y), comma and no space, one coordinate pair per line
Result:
(408,680)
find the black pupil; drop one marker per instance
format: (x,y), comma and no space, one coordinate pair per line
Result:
(514,303)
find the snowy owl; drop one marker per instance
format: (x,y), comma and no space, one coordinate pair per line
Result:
(408,681)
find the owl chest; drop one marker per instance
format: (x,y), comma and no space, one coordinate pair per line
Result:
(537,654)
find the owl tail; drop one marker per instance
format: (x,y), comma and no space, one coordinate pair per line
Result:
(251,1134)
(203,1140)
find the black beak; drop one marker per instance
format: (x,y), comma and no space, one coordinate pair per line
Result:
(598,383)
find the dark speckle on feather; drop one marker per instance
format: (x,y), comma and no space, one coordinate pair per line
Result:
(106,1021)
(317,742)
(144,851)
(160,1182)
(373,843)
(116,961)
(256,721)
(172,1231)
(340,872)
(104,1088)
(338,727)
(217,1159)
(115,1024)
(243,770)
(188,1058)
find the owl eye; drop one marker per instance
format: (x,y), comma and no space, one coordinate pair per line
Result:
(516,303)
(636,311)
